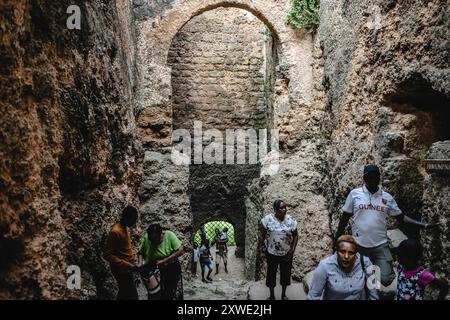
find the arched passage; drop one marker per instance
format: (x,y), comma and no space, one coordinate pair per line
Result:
(222,68)
(211,227)
(166,193)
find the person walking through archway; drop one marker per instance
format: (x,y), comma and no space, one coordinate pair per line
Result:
(220,241)
(205,261)
(277,242)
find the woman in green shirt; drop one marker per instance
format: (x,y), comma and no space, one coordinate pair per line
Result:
(161,249)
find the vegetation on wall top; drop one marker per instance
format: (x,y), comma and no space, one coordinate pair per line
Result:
(304,14)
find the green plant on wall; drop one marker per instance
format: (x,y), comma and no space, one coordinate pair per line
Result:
(304,14)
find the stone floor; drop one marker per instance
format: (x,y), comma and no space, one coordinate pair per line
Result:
(225,286)
(231,285)
(259,291)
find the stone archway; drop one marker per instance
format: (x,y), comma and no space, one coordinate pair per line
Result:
(165,190)
(223,63)
(158,26)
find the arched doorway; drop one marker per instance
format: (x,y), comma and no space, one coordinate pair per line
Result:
(210,229)
(166,193)
(223,65)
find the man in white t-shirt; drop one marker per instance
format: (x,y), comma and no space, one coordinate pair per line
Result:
(368,208)
(277,242)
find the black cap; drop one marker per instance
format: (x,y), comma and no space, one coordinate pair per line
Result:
(371,168)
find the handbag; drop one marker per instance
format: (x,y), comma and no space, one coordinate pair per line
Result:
(152,280)
(366,289)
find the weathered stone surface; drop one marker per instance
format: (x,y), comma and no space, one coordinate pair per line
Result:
(436,203)
(253,210)
(373,85)
(439,150)
(145,8)
(174,33)
(395,237)
(155,35)
(218,74)
(164,197)
(68,144)
(218,78)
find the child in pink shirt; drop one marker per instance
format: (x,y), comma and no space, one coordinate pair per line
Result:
(412,276)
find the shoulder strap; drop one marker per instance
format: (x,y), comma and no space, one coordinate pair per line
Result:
(361,258)
(363,267)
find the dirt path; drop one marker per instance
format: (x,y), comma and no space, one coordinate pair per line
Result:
(231,285)
(225,286)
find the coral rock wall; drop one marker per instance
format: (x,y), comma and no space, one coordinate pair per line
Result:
(69,152)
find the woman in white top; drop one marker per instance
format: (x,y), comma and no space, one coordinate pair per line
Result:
(278,239)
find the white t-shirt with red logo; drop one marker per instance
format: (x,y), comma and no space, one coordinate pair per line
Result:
(370,212)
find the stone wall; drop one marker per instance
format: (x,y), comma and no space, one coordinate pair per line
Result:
(371,86)
(218,73)
(253,208)
(158,23)
(164,198)
(436,203)
(386,73)
(68,146)
(218,78)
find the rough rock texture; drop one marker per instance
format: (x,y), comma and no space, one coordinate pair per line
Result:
(253,210)
(373,85)
(386,70)
(302,170)
(69,154)
(164,197)
(436,209)
(157,26)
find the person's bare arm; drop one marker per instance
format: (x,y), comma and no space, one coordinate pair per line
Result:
(171,258)
(261,239)
(294,242)
(343,222)
(404,218)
